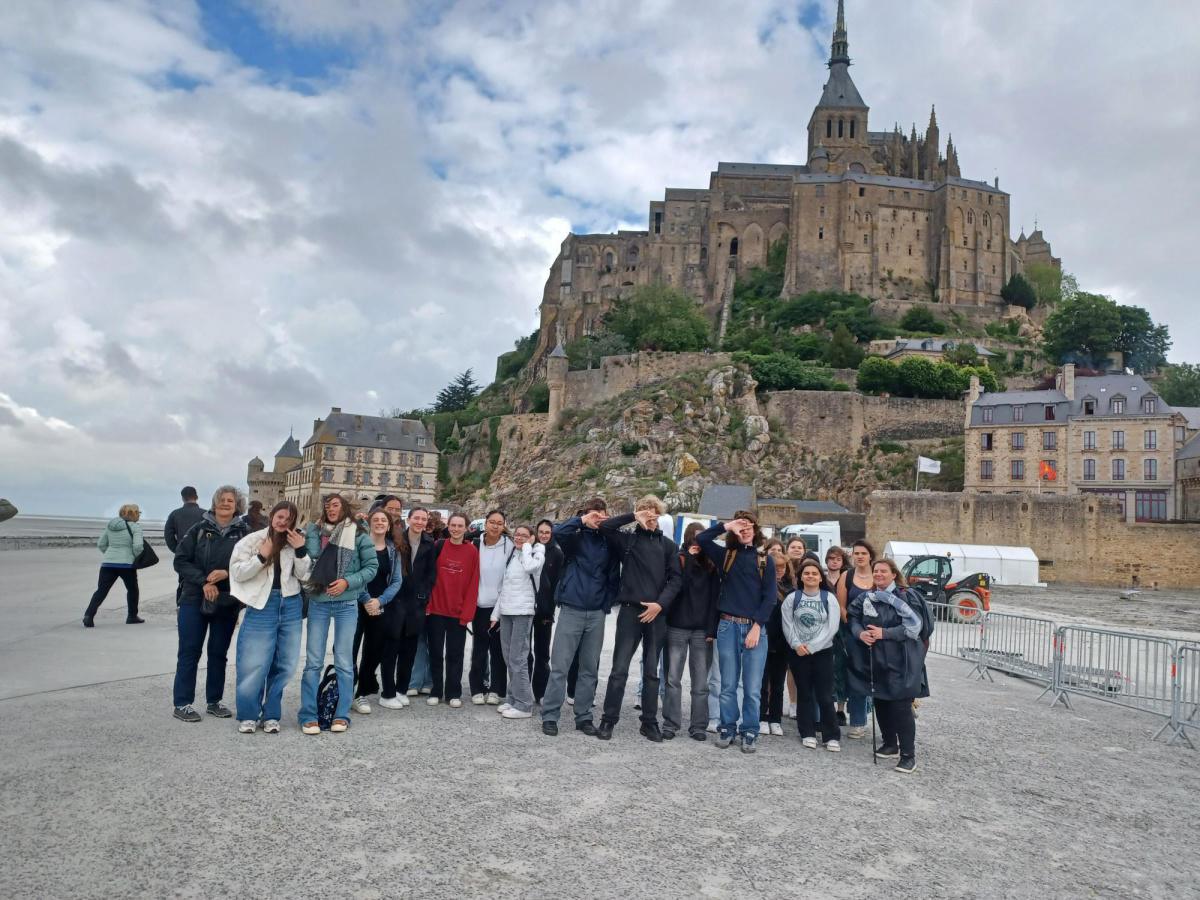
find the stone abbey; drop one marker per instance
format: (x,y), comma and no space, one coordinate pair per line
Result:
(878,213)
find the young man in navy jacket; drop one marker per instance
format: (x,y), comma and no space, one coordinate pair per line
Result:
(747,598)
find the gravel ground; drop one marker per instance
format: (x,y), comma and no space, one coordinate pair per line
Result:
(107,796)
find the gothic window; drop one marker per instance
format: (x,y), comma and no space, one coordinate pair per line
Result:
(964,265)
(910,249)
(868,218)
(633,256)
(918,234)
(608,258)
(733,247)
(970,217)
(862,192)
(964,243)
(864,240)
(829,128)
(658,223)
(987,220)
(852,121)
(893,215)
(841,127)
(820,234)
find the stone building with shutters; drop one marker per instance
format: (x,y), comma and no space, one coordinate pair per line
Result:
(362,457)
(265,486)
(884,214)
(1109,434)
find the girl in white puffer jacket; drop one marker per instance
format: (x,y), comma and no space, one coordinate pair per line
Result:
(513,614)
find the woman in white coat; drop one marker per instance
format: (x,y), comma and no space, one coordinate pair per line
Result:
(513,615)
(265,572)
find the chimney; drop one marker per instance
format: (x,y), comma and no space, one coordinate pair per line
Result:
(316,425)
(335,409)
(1068,380)
(358,423)
(973,393)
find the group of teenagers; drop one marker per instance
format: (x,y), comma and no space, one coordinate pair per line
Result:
(740,612)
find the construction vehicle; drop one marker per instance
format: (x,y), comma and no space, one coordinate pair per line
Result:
(962,601)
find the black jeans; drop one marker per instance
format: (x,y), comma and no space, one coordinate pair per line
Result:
(108,577)
(631,633)
(368,638)
(194,626)
(897,725)
(445,633)
(399,653)
(573,676)
(539,656)
(774,678)
(485,643)
(814,681)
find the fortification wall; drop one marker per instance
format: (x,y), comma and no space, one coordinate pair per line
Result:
(1079,539)
(617,374)
(828,421)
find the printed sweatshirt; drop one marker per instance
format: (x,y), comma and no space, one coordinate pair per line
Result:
(811,620)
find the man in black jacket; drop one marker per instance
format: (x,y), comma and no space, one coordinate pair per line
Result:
(181,520)
(650,581)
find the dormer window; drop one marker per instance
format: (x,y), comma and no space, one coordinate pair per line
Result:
(1117,406)
(341,434)
(1089,407)
(381,437)
(1149,405)
(1049,412)
(420,442)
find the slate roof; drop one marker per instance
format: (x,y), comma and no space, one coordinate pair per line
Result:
(1192,414)
(840,90)
(364,431)
(723,500)
(1190,450)
(290,448)
(810,506)
(1100,388)
(934,345)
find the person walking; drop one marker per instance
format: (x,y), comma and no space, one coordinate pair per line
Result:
(374,599)
(344,562)
(121,543)
(775,673)
(404,617)
(451,608)
(887,661)
(265,573)
(745,604)
(513,615)
(650,582)
(810,618)
(859,578)
(585,595)
(691,630)
(543,616)
(207,608)
(489,674)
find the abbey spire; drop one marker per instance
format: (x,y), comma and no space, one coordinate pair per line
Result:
(840,52)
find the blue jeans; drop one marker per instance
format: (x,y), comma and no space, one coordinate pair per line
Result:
(714,687)
(421,678)
(344,615)
(740,665)
(268,651)
(856,711)
(194,626)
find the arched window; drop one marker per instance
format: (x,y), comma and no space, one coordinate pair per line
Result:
(633,256)
(841,127)
(868,219)
(970,217)
(608,258)
(820,234)
(733,247)
(987,220)
(829,128)
(852,121)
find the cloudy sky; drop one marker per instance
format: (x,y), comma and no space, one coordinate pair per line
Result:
(219,218)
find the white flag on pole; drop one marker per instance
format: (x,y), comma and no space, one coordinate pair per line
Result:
(929,466)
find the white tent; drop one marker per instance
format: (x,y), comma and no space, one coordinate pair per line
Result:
(1006,565)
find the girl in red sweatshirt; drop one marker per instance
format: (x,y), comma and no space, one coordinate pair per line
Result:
(451,608)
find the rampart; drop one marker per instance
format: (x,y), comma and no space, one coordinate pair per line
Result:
(617,374)
(827,421)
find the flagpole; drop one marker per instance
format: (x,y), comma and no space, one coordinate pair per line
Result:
(917,483)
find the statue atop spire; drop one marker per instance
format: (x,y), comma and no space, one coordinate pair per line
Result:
(840,51)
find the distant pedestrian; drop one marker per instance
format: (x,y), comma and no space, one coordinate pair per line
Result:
(810,617)
(344,563)
(543,619)
(206,606)
(691,631)
(374,599)
(455,585)
(775,673)
(265,573)
(512,616)
(888,659)
(489,674)
(255,520)
(859,578)
(181,520)
(121,542)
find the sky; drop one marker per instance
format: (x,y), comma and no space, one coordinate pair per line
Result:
(219,218)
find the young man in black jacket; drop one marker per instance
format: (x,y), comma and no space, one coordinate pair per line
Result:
(691,631)
(650,581)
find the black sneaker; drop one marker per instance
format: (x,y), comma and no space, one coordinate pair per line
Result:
(187,714)
(888,750)
(219,710)
(638,707)
(550,729)
(698,736)
(587,728)
(134,620)
(907,765)
(668,735)
(841,717)
(604,732)
(89,622)
(651,733)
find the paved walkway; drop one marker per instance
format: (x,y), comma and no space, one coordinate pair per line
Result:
(106,796)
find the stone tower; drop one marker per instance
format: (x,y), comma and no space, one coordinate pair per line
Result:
(254,468)
(556,378)
(839,121)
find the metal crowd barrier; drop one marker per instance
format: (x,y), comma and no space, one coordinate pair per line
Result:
(1019,645)
(958,640)
(1187,698)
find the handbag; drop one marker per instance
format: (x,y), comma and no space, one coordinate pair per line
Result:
(147,557)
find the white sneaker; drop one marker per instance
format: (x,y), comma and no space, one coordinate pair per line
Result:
(790,710)
(513,713)
(503,707)
(833,746)
(426,691)
(712,727)
(857,732)
(248,726)
(810,743)
(777,729)
(493,699)
(478,699)
(764,728)
(271,726)
(391,703)
(361,705)
(412,692)
(432,701)
(456,703)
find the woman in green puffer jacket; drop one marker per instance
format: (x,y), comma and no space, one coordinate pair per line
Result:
(121,542)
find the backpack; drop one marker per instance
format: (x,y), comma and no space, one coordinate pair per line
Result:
(327,698)
(731,556)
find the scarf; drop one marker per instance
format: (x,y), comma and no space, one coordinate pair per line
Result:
(909,620)
(337,554)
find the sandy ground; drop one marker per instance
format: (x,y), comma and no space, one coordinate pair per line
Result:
(106,796)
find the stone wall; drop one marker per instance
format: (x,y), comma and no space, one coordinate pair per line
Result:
(1078,539)
(618,374)
(828,421)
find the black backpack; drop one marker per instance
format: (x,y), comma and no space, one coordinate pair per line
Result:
(327,698)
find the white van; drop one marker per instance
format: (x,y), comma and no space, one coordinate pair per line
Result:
(818,536)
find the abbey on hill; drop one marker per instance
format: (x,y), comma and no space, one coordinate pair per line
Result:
(877,213)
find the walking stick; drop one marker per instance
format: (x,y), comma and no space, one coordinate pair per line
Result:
(874,746)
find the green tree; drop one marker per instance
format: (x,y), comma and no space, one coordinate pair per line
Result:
(1143,343)
(1046,281)
(877,375)
(962,354)
(656,317)
(587,351)
(920,319)
(780,372)
(1019,292)
(919,377)
(538,397)
(842,351)
(458,394)
(512,362)
(1084,329)
(1180,384)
